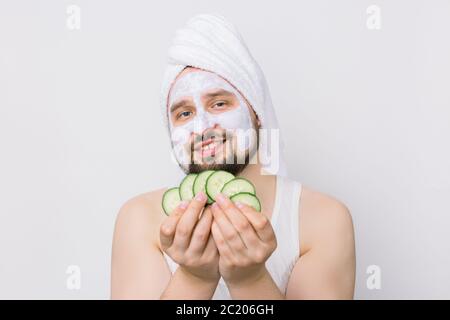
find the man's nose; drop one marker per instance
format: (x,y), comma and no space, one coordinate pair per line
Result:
(201,124)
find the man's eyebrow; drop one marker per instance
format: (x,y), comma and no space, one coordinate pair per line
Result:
(219,92)
(178,104)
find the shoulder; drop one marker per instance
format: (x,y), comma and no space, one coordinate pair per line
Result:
(141,215)
(327,263)
(323,218)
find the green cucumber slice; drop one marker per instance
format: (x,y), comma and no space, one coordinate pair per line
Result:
(170,200)
(248,199)
(216,181)
(200,183)
(238,185)
(186,192)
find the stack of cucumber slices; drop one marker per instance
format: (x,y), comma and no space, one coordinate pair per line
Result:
(211,182)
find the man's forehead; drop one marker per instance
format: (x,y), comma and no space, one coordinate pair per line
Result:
(198,78)
(197,81)
(188,70)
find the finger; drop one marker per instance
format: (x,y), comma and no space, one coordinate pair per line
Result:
(222,245)
(187,222)
(211,248)
(259,221)
(168,227)
(201,233)
(229,233)
(240,222)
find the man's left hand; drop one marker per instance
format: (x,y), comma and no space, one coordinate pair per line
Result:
(245,240)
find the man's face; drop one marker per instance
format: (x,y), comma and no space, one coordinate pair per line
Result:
(211,125)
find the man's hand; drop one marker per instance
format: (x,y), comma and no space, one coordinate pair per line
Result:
(188,240)
(245,240)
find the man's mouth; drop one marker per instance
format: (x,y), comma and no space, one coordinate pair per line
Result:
(209,147)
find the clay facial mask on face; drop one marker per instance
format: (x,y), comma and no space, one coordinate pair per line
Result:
(193,86)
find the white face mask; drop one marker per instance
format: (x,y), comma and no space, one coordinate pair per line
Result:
(193,85)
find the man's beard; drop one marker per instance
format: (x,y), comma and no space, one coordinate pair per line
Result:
(234,167)
(232,163)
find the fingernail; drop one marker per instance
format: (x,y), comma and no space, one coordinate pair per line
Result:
(200,197)
(220,198)
(214,205)
(183,204)
(238,204)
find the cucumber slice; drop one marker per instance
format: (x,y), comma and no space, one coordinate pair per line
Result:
(200,183)
(216,181)
(248,199)
(238,185)
(170,200)
(186,192)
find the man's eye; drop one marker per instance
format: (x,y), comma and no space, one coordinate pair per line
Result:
(184,114)
(220,104)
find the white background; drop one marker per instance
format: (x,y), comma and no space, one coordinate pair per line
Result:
(365,114)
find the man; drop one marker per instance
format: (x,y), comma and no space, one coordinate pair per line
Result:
(301,246)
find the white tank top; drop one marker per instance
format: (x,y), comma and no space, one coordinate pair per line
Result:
(285,222)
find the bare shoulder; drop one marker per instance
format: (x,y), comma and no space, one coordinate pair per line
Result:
(327,264)
(138,269)
(141,215)
(323,217)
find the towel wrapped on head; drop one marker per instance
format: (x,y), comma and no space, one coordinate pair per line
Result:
(212,43)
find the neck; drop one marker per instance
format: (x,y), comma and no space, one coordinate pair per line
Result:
(254,170)
(265,184)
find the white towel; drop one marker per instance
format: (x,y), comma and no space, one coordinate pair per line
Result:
(210,42)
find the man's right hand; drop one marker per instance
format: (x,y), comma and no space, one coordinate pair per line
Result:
(188,239)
